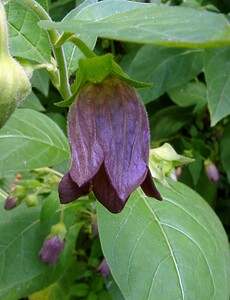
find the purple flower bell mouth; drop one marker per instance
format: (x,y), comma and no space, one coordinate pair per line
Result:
(109,138)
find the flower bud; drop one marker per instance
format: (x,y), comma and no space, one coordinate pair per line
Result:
(10,203)
(14,87)
(51,250)
(14,83)
(104,269)
(211,171)
(18,192)
(16,195)
(53,244)
(31,200)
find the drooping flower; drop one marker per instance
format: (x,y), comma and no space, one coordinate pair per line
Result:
(51,250)
(109,138)
(10,203)
(211,171)
(15,197)
(53,244)
(103,268)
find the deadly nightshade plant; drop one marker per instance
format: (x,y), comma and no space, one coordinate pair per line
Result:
(109,137)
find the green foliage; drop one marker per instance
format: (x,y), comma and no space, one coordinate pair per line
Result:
(148,23)
(173,249)
(159,250)
(22,272)
(217,73)
(165,68)
(27,40)
(34,140)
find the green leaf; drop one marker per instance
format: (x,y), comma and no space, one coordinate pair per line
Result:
(174,249)
(166,68)
(192,93)
(72,53)
(168,121)
(196,167)
(32,102)
(114,289)
(26,38)
(225,153)
(31,140)
(149,23)
(217,74)
(44,4)
(40,81)
(49,207)
(21,239)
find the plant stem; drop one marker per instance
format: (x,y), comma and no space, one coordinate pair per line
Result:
(82,46)
(3,194)
(62,82)
(49,170)
(62,213)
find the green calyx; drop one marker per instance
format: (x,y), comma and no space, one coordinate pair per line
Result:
(95,70)
(59,230)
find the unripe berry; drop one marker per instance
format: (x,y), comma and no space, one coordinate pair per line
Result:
(14,83)
(14,87)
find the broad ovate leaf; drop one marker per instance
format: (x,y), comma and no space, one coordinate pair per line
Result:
(174,249)
(31,140)
(149,23)
(26,38)
(225,153)
(165,68)
(217,74)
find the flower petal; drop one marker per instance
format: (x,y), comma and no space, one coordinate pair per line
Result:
(69,190)
(87,154)
(122,127)
(105,193)
(149,188)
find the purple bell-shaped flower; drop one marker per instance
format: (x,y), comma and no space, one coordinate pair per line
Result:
(109,137)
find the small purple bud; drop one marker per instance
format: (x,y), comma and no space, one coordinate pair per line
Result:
(10,203)
(212,172)
(95,229)
(103,269)
(51,250)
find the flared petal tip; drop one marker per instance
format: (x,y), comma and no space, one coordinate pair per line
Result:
(69,190)
(115,205)
(149,188)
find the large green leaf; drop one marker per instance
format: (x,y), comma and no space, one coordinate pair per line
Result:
(44,4)
(32,102)
(31,140)
(40,80)
(225,153)
(149,23)
(26,38)
(168,121)
(217,74)
(174,249)
(21,239)
(191,93)
(166,68)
